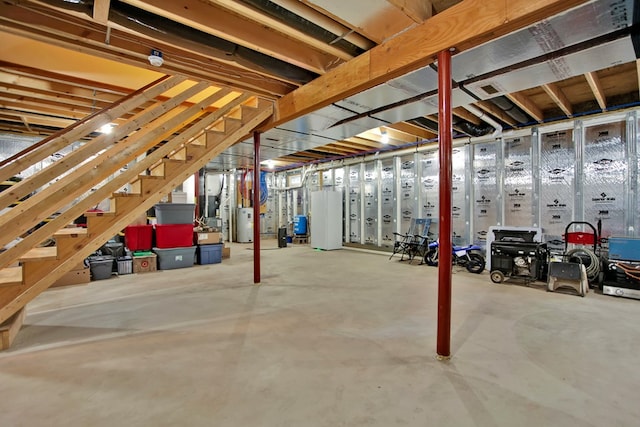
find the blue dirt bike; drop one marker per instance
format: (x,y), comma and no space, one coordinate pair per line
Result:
(469,257)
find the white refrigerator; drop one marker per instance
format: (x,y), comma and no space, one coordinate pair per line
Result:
(326,220)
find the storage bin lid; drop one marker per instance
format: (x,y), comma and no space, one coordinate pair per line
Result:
(100,258)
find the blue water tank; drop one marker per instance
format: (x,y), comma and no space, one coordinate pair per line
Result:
(300,224)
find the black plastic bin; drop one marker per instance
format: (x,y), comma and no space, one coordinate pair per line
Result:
(282,237)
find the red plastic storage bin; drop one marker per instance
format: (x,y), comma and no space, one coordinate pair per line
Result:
(174,235)
(138,237)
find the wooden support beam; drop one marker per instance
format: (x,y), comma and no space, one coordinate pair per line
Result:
(596,88)
(559,98)
(418,10)
(101,10)
(527,105)
(463,26)
(26,122)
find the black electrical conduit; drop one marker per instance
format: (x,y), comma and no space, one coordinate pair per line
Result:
(633,31)
(161,29)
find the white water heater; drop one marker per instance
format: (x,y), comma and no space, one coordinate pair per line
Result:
(244,225)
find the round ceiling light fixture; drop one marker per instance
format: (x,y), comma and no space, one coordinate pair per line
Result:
(155,58)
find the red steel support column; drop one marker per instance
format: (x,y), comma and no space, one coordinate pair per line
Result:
(445,251)
(256,207)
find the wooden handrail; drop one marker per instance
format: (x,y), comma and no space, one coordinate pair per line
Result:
(81,122)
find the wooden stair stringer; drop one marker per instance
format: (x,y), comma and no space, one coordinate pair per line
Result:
(127,208)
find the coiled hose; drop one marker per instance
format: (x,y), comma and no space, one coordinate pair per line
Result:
(593,268)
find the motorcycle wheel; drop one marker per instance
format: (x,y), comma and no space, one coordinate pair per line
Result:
(431,258)
(475,263)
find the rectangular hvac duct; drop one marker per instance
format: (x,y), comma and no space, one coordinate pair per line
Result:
(412,84)
(350,129)
(319,120)
(546,36)
(423,107)
(596,58)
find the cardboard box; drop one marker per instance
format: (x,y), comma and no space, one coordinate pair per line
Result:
(226,252)
(74,277)
(145,264)
(207,237)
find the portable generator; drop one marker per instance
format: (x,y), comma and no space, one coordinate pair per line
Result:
(515,254)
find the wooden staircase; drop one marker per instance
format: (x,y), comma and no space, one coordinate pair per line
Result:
(163,141)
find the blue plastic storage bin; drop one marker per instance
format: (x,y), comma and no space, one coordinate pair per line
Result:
(209,254)
(300,225)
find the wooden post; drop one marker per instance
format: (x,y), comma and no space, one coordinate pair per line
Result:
(445,250)
(256,207)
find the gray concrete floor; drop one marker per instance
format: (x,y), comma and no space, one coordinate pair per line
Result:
(330,338)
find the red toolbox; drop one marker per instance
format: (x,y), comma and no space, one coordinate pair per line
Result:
(138,237)
(174,235)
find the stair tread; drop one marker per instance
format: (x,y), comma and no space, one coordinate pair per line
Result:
(40,254)
(11,276)
(70,232)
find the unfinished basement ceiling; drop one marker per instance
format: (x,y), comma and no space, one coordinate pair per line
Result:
(579,62)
